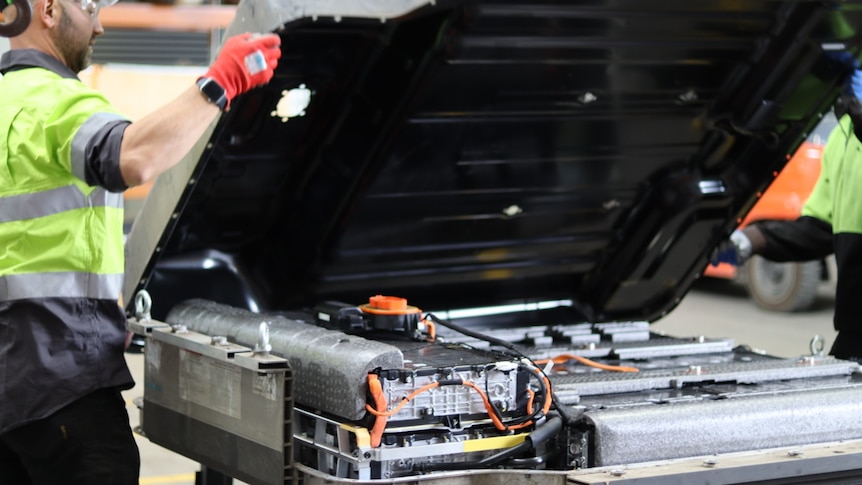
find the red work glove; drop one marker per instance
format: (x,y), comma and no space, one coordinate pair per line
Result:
(245,61)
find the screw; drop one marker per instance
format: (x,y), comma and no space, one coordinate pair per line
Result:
(688,96)
(587,98)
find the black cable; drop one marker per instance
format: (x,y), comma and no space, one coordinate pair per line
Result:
(468,465)
(544,391)
(494,409)
(540,435)
(564,411)
(534,415)
(527,463)
(470,333)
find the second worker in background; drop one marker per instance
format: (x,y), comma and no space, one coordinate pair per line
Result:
(831,221)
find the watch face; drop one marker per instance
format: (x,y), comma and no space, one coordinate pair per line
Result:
(213,91)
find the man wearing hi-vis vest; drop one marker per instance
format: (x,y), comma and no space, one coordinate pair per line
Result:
(66,156)
(830,222)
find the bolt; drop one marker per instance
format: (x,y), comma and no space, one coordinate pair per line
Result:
(587,98)
(618,472)
(688,96)
(710,462)
(795,453)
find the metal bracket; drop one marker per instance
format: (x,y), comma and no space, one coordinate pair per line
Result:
(219,348)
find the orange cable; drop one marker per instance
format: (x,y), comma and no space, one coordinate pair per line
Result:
(494,419)
(488,406)
(376,390)
(530,400)
(432,330)
(403,402)
(563,358)
(547,406)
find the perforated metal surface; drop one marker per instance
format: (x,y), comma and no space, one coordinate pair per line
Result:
(331,367)
(691,369)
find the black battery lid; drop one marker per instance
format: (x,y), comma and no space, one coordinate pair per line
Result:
(473,153)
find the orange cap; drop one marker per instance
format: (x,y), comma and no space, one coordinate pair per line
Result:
(392,305)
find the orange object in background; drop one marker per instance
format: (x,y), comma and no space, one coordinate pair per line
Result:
(180,17)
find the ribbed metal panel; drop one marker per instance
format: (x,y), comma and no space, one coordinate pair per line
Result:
(135,46)
(483,152)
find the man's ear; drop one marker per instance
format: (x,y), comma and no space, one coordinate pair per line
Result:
(47,12)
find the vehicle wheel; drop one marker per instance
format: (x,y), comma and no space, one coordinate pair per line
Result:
(783,287)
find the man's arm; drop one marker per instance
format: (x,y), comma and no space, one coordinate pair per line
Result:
(160,140)
(803,239)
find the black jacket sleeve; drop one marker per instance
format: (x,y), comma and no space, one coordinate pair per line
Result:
(803,239)
(103,157)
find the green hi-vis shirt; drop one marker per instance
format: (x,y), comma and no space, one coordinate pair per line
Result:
(837,201)
(836,197)
(61,239)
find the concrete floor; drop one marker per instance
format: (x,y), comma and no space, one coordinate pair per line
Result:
(715,308)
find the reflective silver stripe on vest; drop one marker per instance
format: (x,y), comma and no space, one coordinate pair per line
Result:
(103,198)
(82,138)
(55,201)
(60,285)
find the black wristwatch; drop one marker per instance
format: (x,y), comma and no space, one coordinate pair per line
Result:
(213,91)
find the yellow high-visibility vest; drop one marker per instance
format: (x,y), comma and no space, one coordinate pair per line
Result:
(59,236)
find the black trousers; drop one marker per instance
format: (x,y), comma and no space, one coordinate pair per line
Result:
(848,346)
(89,442)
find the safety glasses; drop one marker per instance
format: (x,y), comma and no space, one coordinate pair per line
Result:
(91,7)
